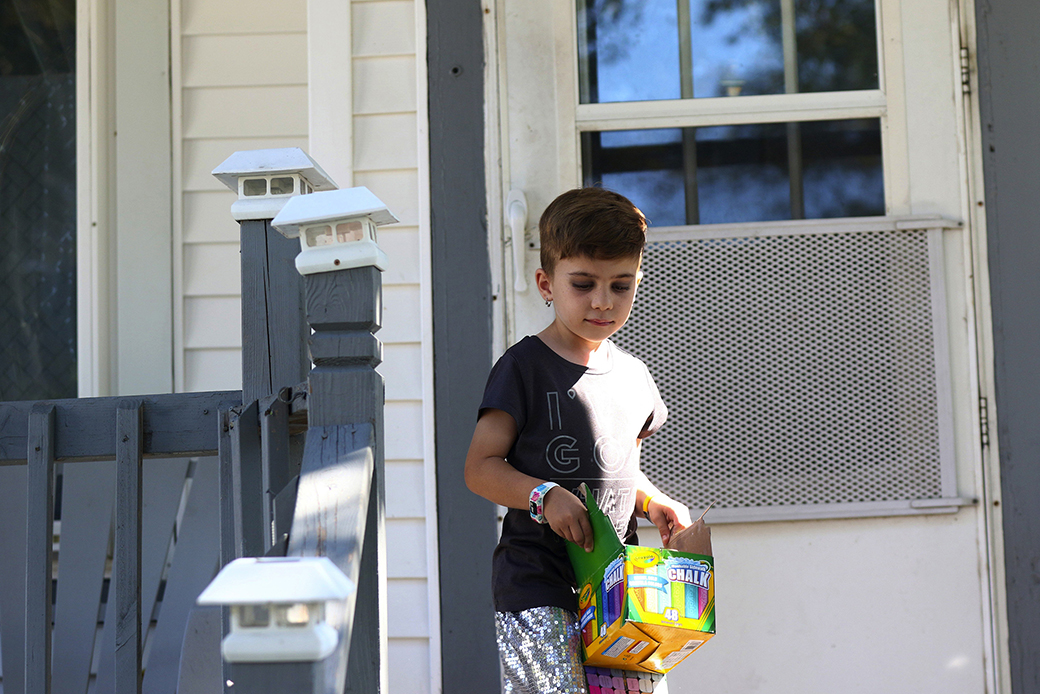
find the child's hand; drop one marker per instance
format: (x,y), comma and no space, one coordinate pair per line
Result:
(668,515)
(568,517)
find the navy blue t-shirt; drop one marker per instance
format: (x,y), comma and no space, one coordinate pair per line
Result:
(574,424)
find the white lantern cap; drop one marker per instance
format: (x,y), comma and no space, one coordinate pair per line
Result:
(329,206)
(268,163)
(277,580)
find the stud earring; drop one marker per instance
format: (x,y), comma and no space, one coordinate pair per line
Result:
(548,303)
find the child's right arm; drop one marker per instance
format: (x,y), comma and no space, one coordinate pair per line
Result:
(492,477)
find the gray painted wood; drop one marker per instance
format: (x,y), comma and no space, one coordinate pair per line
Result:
(226,484)
(201,668)
(284,506)
(12,577)
(344,309)
(278,678)
(247,482)
(127,559)
(195,562)
(163,482)
(1009,104)
(274,456)
(462,299)
(177,424)
(39,553)
(273,330)
(330,519)
(88,496)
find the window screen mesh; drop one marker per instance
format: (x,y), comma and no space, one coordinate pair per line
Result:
(797,369)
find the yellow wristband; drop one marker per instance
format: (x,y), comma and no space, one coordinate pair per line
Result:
(646,506)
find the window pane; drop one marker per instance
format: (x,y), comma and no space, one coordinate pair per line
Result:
(642,50)
(37,200)
(743,173)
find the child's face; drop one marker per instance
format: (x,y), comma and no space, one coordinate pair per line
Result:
(592,297)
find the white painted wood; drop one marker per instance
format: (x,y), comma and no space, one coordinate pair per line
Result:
(212,321)
(432,674)
(384,28)
(279,111)
(144,320)
(201,155)
(371,135)
(723,110)
(212,369)
(330,91)
(207,217)
(405,489)
(384,85)
(243,16)
(407,536)
(212,270)
(402,369)
(411,618)
(401,314)
(401,245)
(403,420)
(246,59)
(398,189)
(414,677)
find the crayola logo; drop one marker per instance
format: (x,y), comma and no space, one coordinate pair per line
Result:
(645,558)
(586,595)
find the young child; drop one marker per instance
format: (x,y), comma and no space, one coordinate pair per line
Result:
(564,407)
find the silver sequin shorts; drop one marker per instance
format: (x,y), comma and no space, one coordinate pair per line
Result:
(541,654)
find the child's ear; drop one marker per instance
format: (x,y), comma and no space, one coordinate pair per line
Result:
(544,283)
(639,277)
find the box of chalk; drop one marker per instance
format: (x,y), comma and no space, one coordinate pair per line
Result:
(640,608)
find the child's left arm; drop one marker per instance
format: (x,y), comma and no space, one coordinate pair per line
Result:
(666,513)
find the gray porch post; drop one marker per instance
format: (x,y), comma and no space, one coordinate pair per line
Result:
(274,333)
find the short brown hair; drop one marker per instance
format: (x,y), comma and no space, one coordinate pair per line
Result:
(592,222)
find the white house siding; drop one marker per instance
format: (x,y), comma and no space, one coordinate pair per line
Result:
(240,82)
(240,76)
(386,159)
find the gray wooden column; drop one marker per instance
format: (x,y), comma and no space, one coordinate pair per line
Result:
(344,309)
(127,569)
(39,555)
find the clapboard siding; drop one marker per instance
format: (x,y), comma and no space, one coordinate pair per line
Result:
(243,16)
(212,269)
(413,621)
(402,251)
(407,536)
(245,111)
(398,189)
(207,217)
(269,59)
(402,317)
(403,430)
(405,495)
(212,369)
(413,676)
(383,28)
(374,135)
(402,371)
(212,321)
(396,77)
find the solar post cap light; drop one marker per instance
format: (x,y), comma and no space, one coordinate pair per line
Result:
(265,179)
(337,229)
(278,608)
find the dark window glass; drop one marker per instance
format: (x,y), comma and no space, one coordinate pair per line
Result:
(742,173)
(644,50)
(37,199)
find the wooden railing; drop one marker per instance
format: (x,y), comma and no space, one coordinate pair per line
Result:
(298,470)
